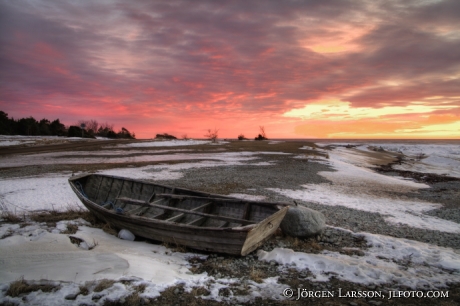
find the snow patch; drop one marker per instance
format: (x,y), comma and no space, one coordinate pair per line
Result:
(404,262)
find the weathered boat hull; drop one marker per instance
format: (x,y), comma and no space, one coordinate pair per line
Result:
(238,227)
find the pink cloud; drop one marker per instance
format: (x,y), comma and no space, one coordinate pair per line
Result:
(154,65)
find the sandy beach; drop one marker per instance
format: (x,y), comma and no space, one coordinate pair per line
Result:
(391,207)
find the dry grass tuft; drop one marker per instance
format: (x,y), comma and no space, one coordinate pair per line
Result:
(309,245)
(175,247)
(103,284)
(171,293)
(20,287)
(257,275)
(132,300)
(83,290)
(52,217)
(10,217)
(140,288)
(105,227)
(200,291)
(72,213)
(315,245)
(71,229)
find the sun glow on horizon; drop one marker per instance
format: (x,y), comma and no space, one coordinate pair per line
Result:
(338,119)
(339,110)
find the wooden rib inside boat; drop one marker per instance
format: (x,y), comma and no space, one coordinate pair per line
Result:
(179,216)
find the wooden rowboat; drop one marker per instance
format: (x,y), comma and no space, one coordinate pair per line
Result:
(179,216)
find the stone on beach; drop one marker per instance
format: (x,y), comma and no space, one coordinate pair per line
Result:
(303,222)
(126,235)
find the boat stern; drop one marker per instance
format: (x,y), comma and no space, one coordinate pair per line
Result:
(262,231)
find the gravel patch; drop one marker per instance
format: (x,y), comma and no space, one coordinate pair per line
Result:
(286,172)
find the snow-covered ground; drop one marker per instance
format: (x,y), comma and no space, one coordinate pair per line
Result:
(379,265)
(363,189)
(167,143)
(50,255)
(82,157)
(14,140)
(438,157)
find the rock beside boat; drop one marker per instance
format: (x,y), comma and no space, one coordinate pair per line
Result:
(303,222)
(126,235)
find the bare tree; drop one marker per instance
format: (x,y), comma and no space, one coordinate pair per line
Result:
(212,135)
(90,125)
(262,131)
(262,135)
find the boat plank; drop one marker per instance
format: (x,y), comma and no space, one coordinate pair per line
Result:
(176,218)
(137,202)
(196,221)
(228,199)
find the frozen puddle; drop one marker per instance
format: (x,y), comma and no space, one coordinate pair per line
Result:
(53,256)
(46,192)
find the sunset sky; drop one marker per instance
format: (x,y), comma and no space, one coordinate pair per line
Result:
(301,69)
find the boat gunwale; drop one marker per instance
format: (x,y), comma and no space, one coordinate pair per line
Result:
(210,196)
(79,176)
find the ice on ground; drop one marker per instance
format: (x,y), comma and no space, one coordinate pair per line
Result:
(165,143)
(52,256)
(398,211)
(437,157)
(55,257)
(13,140)
(7,143)
(250,197)
(48,192)
(363,189)
(82,157)
(403,262)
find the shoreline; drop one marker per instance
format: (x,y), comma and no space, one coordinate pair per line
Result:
(272,175)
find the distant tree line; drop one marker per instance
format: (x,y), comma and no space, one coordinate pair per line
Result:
(31,127)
